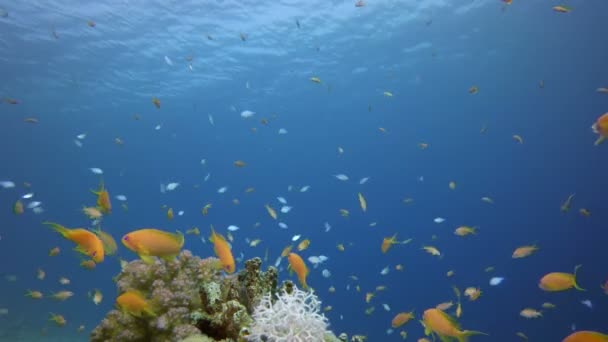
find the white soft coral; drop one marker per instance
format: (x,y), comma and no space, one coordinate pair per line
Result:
(293,317)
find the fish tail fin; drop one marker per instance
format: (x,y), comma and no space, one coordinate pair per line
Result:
(464,336)
(600,140)
(150,312)
(65,232)
(576,286)
(179,237)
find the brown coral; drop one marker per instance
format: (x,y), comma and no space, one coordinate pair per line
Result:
(190,297)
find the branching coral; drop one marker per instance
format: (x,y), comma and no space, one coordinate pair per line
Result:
(293,316)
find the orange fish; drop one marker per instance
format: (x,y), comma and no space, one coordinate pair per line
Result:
(600,127)
(388,242)
(156,102)
(88,243)
(559,281)
(134,303)
(402,318)
(222,250)
(149,242)
(297,265)
(524,251)
(103,199)
(586,336)
(439,323)
(508,2)
(87,264)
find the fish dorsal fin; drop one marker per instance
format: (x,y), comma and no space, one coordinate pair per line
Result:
(213,235)
(179,238)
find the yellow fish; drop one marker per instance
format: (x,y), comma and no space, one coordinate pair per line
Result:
(18,208)
(303,245)
(271,211)
(286,251)
(58,319)
(432,250)
(565,207)
(193,231)
(108,242)
(362,202)
(255,242)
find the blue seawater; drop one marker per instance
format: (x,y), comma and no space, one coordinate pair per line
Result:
(72,77)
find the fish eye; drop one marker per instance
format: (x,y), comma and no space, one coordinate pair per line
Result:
(94,253)
(126,238)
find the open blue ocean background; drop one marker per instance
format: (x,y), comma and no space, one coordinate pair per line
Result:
(75,79)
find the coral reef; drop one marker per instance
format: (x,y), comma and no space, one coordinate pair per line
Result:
(173,289)
(194,301)
(293,316)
